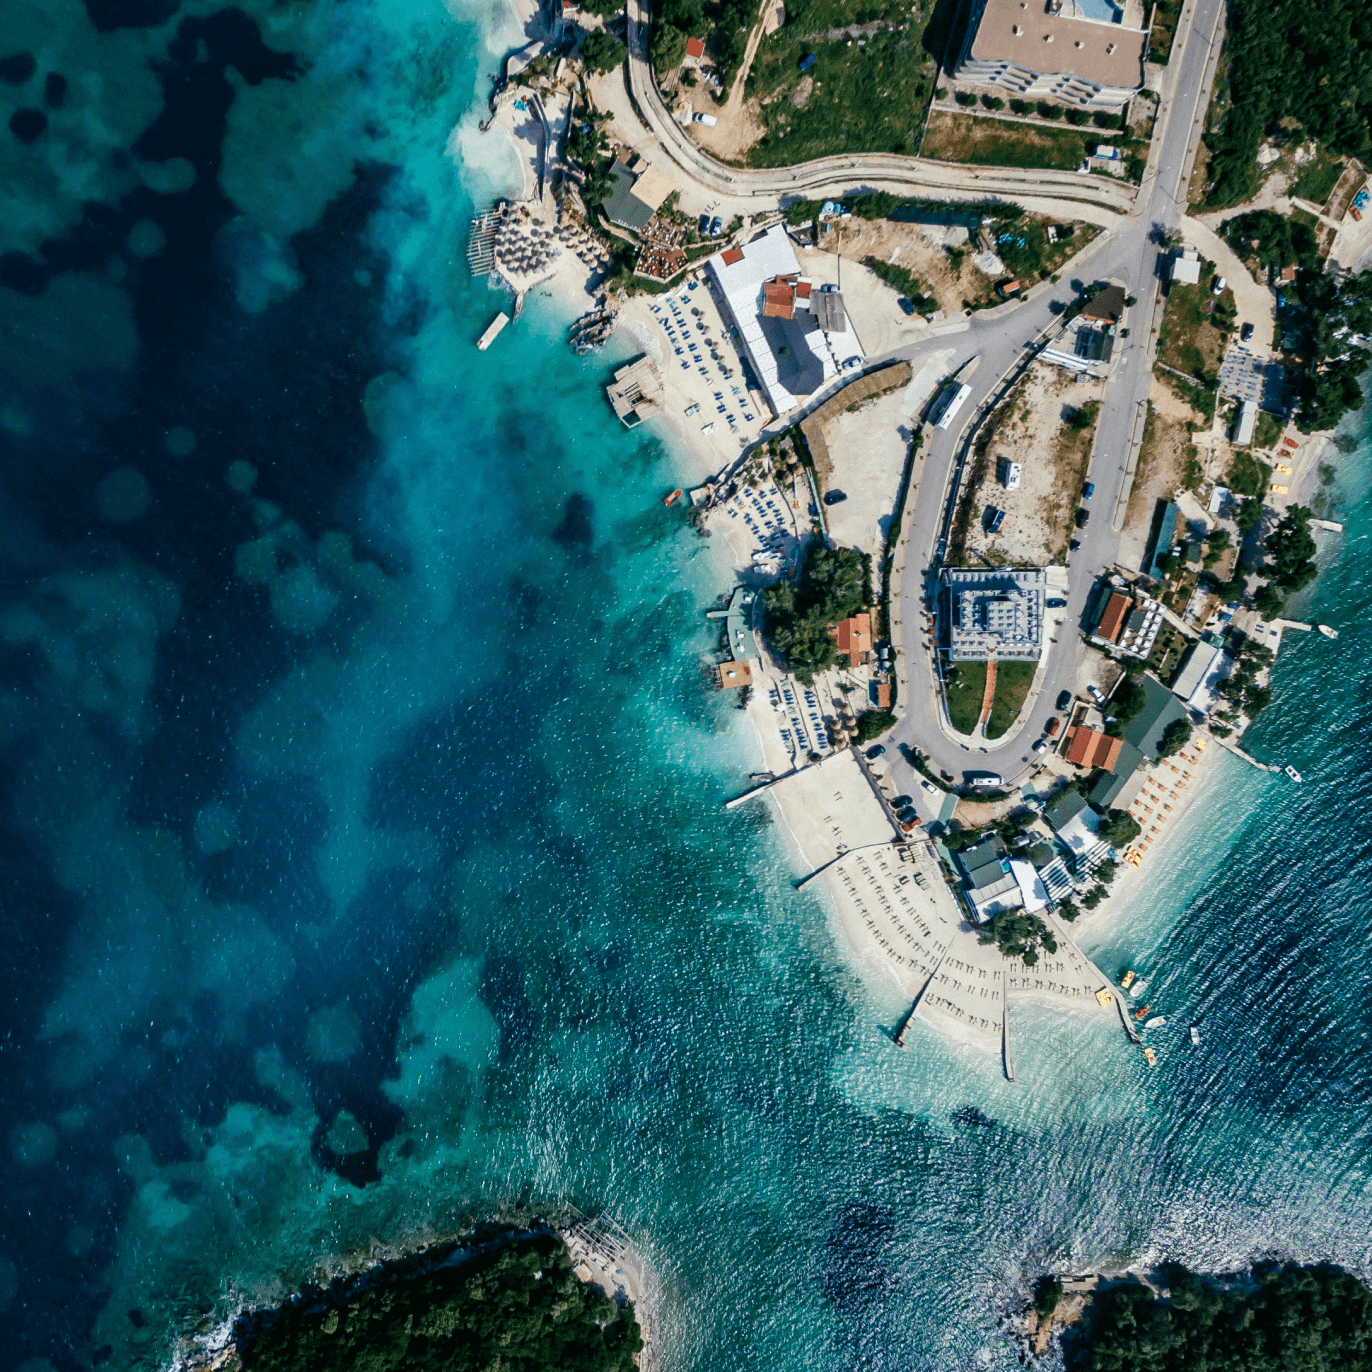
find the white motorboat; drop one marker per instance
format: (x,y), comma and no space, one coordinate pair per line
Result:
(1156,1022)
(1138,988)
(1327,631)
(1195,1035)
(1293,774)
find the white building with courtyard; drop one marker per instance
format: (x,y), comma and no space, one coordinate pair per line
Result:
(994,613)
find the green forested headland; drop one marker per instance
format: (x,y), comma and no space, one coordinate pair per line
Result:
(1283,1318)
(1309,61)
(520,1308)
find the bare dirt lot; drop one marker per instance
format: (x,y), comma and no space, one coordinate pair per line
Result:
(1047,426)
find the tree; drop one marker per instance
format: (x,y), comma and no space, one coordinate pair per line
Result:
(1174,738)
(1268,601)
(668,47)
(1047,1294)
(602,52)
(799,619)
(1105,872)
(1119,828)
(1291,548)
(1248,515)
(1078,117)
(1094,897)
(1019,935)
(1068,910)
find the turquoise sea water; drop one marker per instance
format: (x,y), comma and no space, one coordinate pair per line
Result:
(364,858)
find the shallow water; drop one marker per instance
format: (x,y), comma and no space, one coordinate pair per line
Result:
(364,858)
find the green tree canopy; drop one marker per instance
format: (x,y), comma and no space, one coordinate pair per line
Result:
(602,51)
(521,1308)
(1118,828)
(1291,550)
(1019,935)
(833,585)
(1174,738)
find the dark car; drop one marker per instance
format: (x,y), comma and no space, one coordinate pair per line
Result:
(1245,333)
(1056,604)
(992,519)
(1074,545)
(900,802)
(876,750)
(1064,699)
(1083,518)
(1088,490)
(704,225)
(834,497)
(905,305)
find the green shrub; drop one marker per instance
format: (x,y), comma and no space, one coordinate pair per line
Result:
(602,52)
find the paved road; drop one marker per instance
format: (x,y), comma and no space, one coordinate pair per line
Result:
(1130,254)
(834,176)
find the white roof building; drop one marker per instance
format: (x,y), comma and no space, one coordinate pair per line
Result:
(787,348)
(1247,422)
(1186,267)
(995,613)
(1205,669)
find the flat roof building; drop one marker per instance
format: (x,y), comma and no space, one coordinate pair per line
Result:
(1051,52)
(769,304)
(635,196)
(995,614)
(1247,422)
(1185,267)
(1160,709)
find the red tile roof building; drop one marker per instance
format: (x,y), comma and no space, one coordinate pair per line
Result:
(695,47)
(1112,620)
(854,638)
(1090,748)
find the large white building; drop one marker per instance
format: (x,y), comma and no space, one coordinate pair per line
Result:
(995,614)
(770,305)
(1073,51)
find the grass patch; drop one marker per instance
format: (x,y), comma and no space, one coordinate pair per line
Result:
(1195,327)
(998,143)
(902,279)
(965,686)
(869,97)
(1246,474)
(1007,700)
(1267,431)
(1164,30)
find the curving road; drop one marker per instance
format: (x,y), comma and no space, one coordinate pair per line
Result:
(1128,253)
(839,175)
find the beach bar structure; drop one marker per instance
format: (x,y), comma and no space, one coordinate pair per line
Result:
(636,391)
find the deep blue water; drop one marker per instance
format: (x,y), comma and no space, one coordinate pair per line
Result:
(363,857)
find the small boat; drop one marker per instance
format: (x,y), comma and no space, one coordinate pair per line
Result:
(1293,774)
(1142,1011)
(673,498)
(1156,1022)
(1195,1035)
(1127,980)
(1139,987)
(1150,1057)
(1327,631)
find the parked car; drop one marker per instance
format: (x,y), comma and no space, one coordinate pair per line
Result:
(834,497)
(1096,693)
(1218,287)
(876,750)
(1055,604)
(900,802)
(707,119)
(1064,699)
(1083,517)
(905,305)
(1245,333)
(850,363)
(1073,545)
(1055,723)
(992,519)
(716,227)
(1088,490)
(930,787)
(1040,746)
(704,225)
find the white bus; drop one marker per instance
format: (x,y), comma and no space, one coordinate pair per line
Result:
(948,404)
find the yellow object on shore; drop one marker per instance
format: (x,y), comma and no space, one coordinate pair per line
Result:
(1104,996)
(1150,1057)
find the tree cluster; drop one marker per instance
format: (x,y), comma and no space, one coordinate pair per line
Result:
(1240,686)
(602,51)
(1304,61)
(520,1309)
(833,585)
(1020,935)
(1174,738)
(1290,564)
(1126,704)
(1286,1318)
(1118,828)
